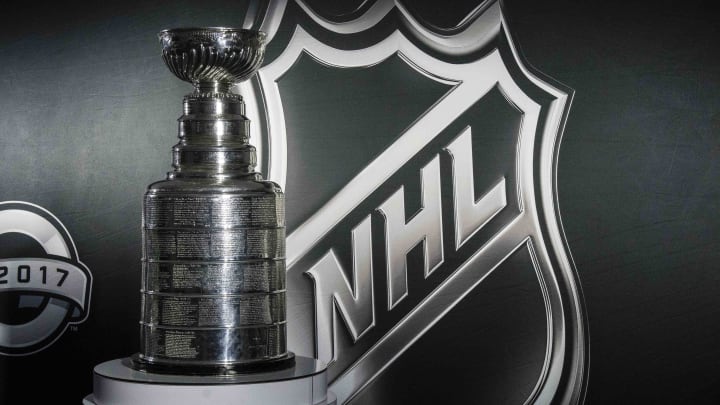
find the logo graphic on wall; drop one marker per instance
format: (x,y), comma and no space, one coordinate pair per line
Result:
(418,162)
(43,285)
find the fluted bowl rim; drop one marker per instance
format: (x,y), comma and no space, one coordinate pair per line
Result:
(178,30)
(184,40)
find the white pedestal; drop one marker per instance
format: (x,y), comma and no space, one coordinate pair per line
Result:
(117,383)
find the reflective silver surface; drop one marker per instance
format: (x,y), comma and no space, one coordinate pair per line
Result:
(213,287)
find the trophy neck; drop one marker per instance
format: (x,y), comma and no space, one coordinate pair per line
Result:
(212,87)
(214,134)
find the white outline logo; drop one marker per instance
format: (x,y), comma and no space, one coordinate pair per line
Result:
(346,297)
(63,282)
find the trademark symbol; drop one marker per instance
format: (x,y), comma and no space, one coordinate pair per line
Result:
(73,328)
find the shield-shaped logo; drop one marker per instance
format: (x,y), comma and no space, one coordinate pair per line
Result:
(419,164)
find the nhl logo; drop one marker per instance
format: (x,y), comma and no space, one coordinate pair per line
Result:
(418,163)
(43,285)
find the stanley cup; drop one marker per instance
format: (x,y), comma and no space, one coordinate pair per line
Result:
(213,286)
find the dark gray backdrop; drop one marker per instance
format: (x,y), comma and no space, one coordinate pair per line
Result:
(638,172)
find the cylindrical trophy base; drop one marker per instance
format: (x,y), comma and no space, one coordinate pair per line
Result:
(139,363)
(116,382)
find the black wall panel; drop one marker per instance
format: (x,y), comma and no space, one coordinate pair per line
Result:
(87,119)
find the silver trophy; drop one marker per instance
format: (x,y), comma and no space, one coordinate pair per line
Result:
(213,284)
(213,327)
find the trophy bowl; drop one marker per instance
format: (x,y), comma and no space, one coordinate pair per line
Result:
(212,54)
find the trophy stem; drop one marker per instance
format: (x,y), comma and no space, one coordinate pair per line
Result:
(212,87)
(214,135)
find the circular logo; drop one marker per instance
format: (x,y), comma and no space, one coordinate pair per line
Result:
(43,285)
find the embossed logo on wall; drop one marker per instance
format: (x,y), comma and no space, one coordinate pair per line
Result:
(376,260)
(43,285)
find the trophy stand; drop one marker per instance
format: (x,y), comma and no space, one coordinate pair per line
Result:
(116,382)
(213,320)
